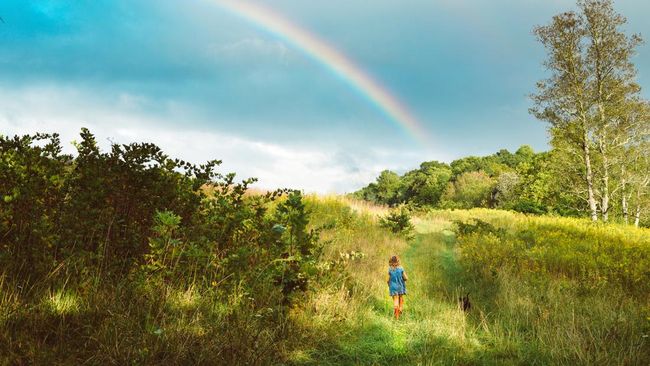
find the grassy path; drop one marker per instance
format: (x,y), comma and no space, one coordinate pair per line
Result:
(432,331)
(517,318)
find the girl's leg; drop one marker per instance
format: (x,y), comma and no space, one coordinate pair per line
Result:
(396,306)
(401,303)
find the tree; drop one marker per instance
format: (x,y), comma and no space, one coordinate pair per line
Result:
(424,186)
(388,187)
(492,165)
(590,94)
(632,159)
(506,190)
(524,154)
(471,189)
(613,87)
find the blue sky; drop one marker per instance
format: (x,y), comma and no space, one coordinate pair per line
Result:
(205,84)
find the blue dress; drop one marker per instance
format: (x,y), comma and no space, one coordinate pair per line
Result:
(396,285)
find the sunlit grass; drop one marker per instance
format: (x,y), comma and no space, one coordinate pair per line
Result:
(347,316)
(430,225)
(187,299)
(9,301)
(63,302)
(512,321)
(366,207)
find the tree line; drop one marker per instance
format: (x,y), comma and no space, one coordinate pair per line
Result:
(520,181)
(599,127)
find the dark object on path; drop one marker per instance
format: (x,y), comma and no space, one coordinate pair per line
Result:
(464,302)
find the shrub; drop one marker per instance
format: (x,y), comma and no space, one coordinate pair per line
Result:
(398,221)
(165,261)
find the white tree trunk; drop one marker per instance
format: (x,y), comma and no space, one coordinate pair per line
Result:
(624,206)
(590,180)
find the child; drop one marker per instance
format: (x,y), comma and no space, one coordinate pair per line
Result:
(396,284)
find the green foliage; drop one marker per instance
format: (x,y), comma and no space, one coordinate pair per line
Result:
(182,260)
(399,222)
(164,249)
(386,190)
(596,115)
(32,171)
(529,207)
(470,189)
(523,180)
(89,208)
(424,186)
(296,247)
(506,190)
(596,256)
(475,226)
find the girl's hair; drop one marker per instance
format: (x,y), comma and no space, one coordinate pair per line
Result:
(393,261)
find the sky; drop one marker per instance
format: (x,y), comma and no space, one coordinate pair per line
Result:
(204,82)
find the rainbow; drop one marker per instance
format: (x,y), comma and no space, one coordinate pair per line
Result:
(332,59)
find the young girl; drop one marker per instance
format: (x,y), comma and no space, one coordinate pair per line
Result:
(396,284)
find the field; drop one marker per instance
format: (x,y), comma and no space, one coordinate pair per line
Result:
(544,291)
(579,295)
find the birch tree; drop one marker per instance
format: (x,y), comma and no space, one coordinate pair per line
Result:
(612,88)
(563,100)
(636,166)
(591,99)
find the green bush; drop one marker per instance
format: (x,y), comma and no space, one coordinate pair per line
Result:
(175,258)
(398,221)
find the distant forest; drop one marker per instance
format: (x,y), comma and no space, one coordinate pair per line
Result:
(523,181)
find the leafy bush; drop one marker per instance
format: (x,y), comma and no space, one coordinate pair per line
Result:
(526,206)
(175,258)
(398,221)
(464,228)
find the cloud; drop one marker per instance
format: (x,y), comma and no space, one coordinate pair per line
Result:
(313,169)
(247,48)
(154,70)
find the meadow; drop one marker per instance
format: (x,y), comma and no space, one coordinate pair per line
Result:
(128,256)
(132,257)
(544,290)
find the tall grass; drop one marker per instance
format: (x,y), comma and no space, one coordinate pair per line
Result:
(539,304)
(153,324)
(544,291)
(161,320)
(563,290)
(342,313)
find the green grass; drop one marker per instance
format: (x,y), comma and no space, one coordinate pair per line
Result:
(519,316)
(514,320)
(432,329)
